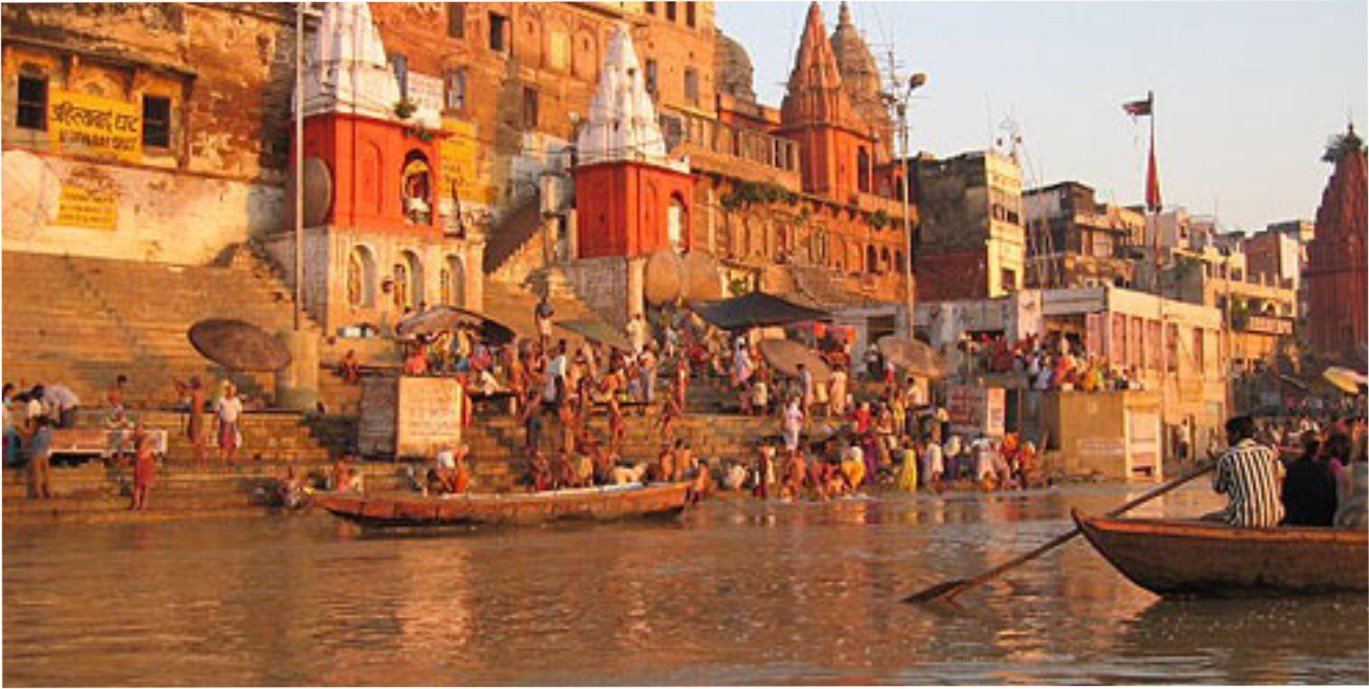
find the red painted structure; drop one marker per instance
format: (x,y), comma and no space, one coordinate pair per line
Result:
(1337,264)
(817,114)
(368,159)
(622,207)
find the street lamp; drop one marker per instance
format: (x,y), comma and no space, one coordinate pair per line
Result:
(899,101)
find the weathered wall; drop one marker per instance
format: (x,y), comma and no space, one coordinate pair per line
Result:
(603,284)
(226,71)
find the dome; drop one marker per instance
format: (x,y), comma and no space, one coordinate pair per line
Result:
(732,69)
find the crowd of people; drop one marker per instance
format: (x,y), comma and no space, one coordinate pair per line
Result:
(1048,363)
(1296,471)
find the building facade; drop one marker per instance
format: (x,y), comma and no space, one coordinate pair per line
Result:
(971,242)
(1337,274)
(1074,241)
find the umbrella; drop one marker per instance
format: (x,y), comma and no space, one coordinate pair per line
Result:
(238,345)
(786,355)
(755,310)
(1345,380)
(599,332)
(443,318)
(916,357)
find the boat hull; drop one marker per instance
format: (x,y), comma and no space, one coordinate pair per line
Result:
(664,501)
(1190,558)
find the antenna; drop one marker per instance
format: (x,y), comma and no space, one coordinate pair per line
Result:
(1040,245)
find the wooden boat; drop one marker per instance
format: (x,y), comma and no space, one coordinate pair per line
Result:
(605,503)
(1209,559)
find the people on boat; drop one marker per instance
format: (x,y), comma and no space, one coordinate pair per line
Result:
(1250,475)
(1351,468)
(1309,487)
(343,478)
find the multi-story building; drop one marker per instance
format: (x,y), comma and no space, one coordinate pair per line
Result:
(1074,241)
(971,242)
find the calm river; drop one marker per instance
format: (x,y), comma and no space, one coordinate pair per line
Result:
(736,593)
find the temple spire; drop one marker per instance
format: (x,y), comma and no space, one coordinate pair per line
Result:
(347,70)
(815,94)
(622,122)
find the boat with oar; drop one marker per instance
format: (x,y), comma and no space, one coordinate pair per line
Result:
(598,504)
(1195,558)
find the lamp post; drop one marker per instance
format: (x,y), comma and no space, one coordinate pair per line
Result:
(900,103)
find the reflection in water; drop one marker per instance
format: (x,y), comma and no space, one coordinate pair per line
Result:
(738,592)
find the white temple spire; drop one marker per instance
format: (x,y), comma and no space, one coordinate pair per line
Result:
(622,122)
(346,70)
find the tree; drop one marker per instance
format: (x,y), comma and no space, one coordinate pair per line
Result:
(1340,144)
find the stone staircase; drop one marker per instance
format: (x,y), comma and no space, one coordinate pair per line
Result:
(511,251)
(93,492)
(83,321)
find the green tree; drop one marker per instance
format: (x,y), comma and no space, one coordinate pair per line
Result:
(1340,144)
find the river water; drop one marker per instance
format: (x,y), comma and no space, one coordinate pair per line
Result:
(737,592)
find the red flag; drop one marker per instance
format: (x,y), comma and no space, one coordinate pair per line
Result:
(1138,108)
(1152,182)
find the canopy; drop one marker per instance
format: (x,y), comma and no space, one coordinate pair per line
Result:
(914,356)
(757,309)
(443,318)
(1345,380)
(238,345)
(597,331)
(786,355)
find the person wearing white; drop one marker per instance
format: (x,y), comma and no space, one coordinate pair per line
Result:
(793,423)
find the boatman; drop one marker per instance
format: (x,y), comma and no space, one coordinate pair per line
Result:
(1250,475)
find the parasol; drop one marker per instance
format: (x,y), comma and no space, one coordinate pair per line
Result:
(238,345)
(443,318)
(1345,380)
(702,281)
(914,356)
(599,332)
(786,355)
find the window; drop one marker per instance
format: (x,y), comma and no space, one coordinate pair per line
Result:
(456,89)
(863,169)
(1008,277)
(456,20)
(651,77)
(498,32)
(651,8)
(399,64)
(156,121)
(33,103)
(1171,348)
(529,107)
(689,14)
(1198,350)
(670,10)
(691,85)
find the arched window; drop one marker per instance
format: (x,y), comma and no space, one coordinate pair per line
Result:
(677,222)
(898,262)
(452,281)
(361,277)
(863,169)
(369,184)
(416,189)
(885,261)
(408,277)
(871,260)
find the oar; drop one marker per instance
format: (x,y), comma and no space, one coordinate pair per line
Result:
(947,590)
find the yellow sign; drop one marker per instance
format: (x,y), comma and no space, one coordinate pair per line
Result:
(93,125)
(88,200)
(460,152)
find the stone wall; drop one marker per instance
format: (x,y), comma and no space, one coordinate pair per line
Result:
(225,72)
(603,284)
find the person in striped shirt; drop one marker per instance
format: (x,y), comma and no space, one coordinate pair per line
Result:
(1251,477)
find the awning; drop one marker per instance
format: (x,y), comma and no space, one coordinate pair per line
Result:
(443,318)
(597,331)
(756,310)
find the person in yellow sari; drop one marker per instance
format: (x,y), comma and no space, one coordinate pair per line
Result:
(906,480)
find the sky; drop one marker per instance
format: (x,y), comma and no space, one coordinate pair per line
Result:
(1246,93)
